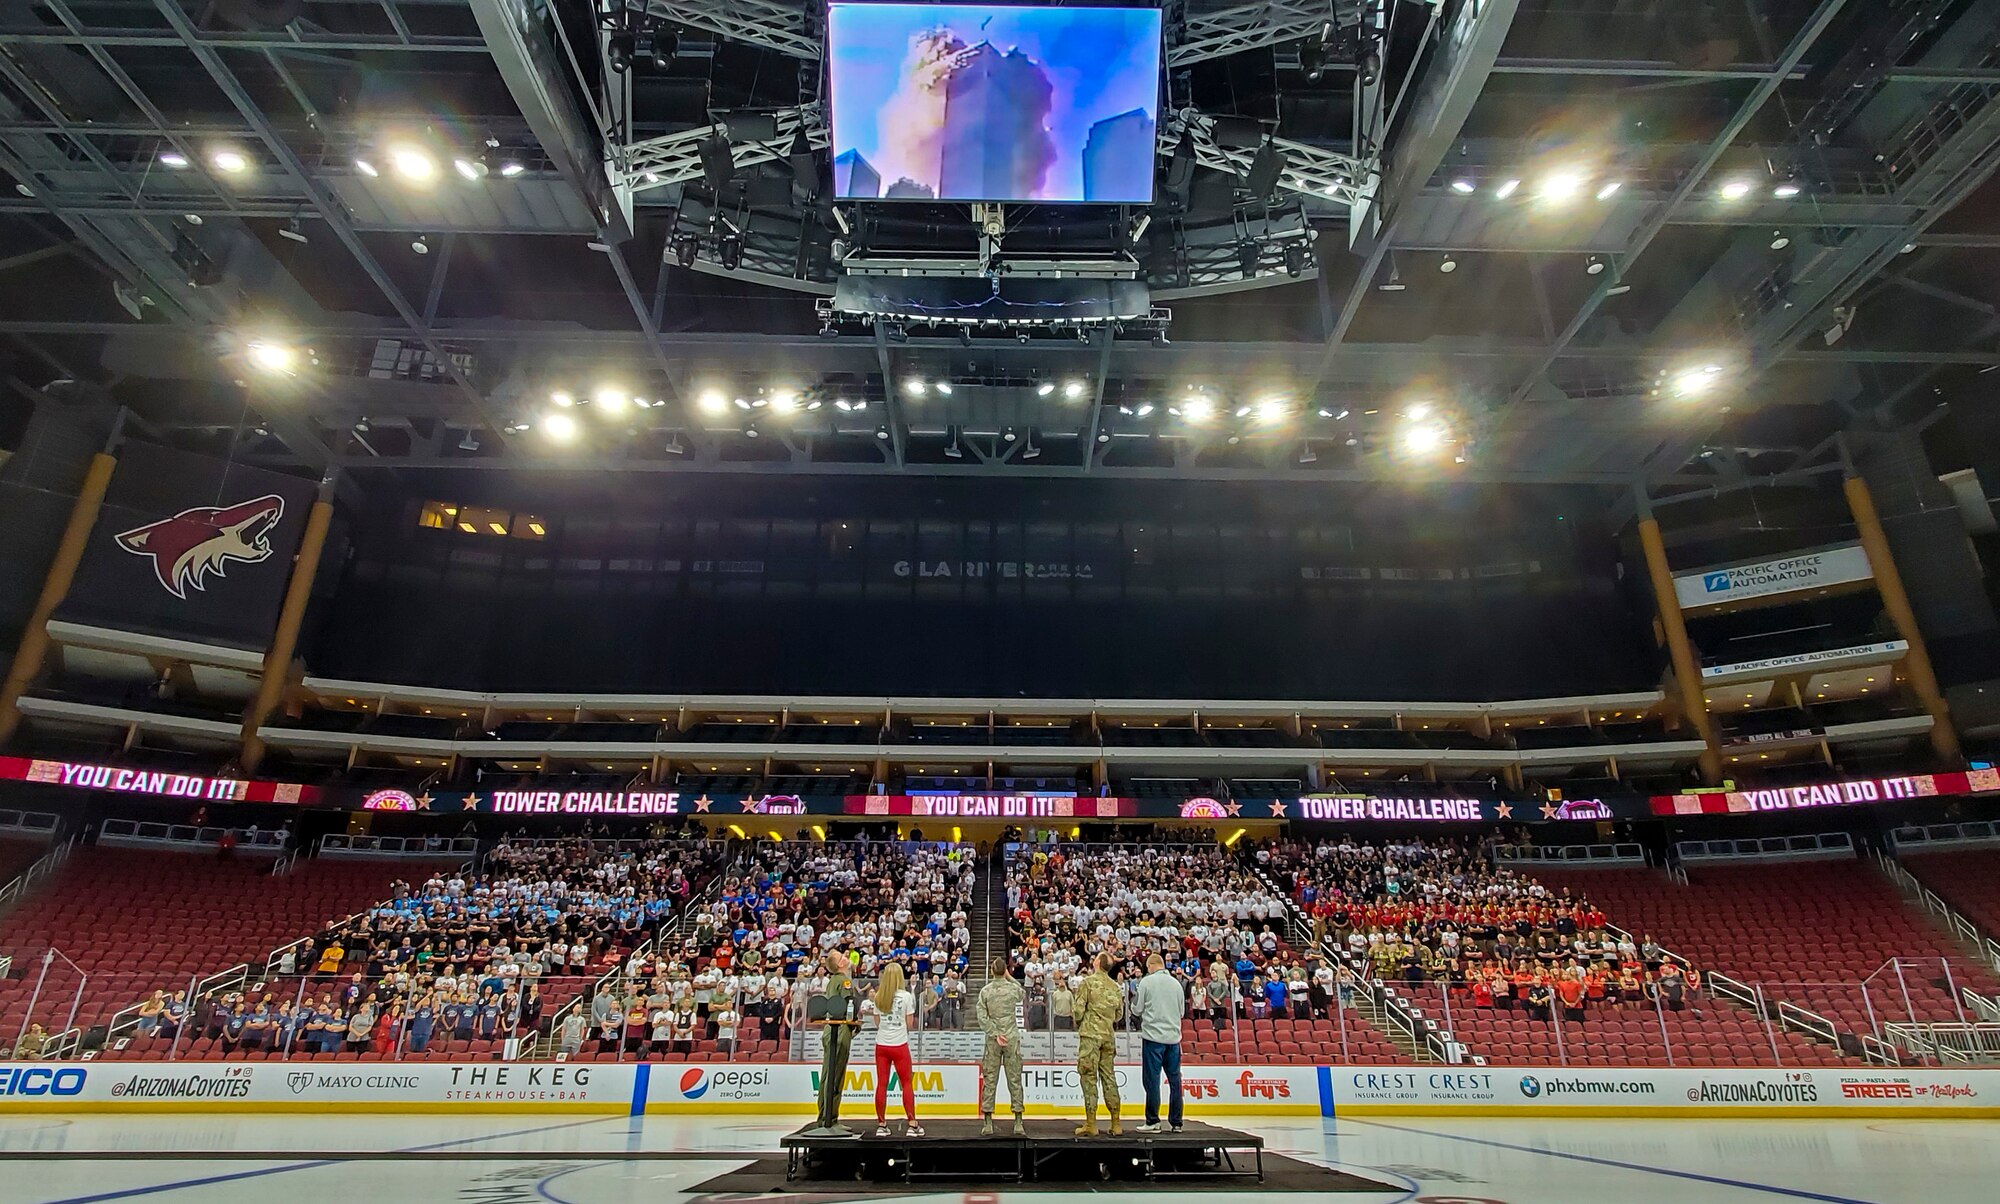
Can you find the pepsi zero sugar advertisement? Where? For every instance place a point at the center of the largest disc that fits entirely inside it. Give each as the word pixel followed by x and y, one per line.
pixel 190 547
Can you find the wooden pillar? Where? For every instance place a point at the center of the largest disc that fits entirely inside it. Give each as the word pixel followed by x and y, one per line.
pixel 285 640
pixel 1889 584
pixel 1687 671
pixel 34 644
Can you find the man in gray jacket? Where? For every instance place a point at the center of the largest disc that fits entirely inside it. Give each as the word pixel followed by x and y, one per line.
pixel 1161 1006
pixel 998 1009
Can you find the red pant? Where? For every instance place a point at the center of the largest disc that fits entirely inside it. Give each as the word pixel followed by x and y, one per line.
pixel 897 1058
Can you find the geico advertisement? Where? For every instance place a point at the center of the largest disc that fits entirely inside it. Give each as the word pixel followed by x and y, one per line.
pixel 1278 1088
pixel 378 1084
pixel 796 1084
pixel 1520 1089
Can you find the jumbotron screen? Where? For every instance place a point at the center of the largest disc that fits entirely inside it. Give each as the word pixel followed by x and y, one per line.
pixel 961 102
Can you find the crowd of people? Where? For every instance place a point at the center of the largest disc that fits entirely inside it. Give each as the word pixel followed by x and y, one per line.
pixel 1442 912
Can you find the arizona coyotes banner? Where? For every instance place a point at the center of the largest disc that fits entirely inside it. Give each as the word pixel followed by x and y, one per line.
pixel 190 547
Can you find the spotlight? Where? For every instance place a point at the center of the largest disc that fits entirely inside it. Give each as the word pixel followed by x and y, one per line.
pixel 1021 337
pixel 1295 259
pixel 1464 186
pixel 686 247
pixel 943 387
pixel 1242 411
pixel 561 398
pixel 1008 435
pixel 1609 189
pixel 1734 190
pixel 842 404
pixel 274 357
pixel 1072 390
pixel 1145 408
pixel 1312 59
pixel 1422 440
pixel 1247 255
pixel 1045 388
pixel 1593 265
pixel 511 168
pixel 784 401
pixel 471 169
pixel 361 425
pixel 750 430
pixel 421 244
pixel 618 52
pixel 1418 412
pixel 742 403
pixel 660 48
pixel 1271 409
pixel 1697 381
pixel 1780 240
pixel 609 399
pixel 729 249
pixel 882 432
pixel 173 159
pixel 1198 409
pixel 1104 436
pixel 1560 187
pixel 915 386
pixel 468 444
pixel 952 449
pixel 1448 264
pixel 367 168
pixel 1507 188
pixel 413 163
pixel 229 159
pixel 560 427
pixel 1786 189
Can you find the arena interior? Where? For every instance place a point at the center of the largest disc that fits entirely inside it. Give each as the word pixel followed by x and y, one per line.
pixel 571 568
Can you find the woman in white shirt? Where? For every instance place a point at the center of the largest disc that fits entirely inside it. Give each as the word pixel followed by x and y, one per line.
pixel 893 1007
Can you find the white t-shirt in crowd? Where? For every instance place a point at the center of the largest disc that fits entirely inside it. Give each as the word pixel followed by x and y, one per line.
pixel 893 1026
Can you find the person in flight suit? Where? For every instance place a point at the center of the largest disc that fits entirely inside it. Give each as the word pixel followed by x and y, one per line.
pixel 998 1009
pixel 1097 1005
pixel 841 1016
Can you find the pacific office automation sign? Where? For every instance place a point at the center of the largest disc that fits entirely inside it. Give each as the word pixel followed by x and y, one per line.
pixel 119 779
pixel 1843 565
pixel 1861 792
pixel 190 547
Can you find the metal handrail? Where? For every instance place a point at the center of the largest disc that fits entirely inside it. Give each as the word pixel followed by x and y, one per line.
pixel 1977 833
pixel 147 832
pixel 1791 1015
pixel 1620 853
pixel 341 844
pixel 1808 846
pixel 41 868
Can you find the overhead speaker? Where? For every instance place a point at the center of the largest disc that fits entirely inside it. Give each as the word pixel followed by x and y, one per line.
pixel 751 127
pixel 1265 168
pixel 718 166
pixel 1237 133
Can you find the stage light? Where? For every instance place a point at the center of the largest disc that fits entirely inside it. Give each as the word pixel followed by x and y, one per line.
pixel 1464 186
pixel 413 163
pixel 421 244
pixel 944 387
pixel 1609 189
pixel 1045 388
pixel 742 403
pixel 1242 411
pixel 560 427
pixel 1734 190
pixel 711 401
pixel 1593 265
pixel 915 386
pixel 1296 260
pixel 173 159
pixel 1072 390
pixel 1144 409
pixel 1560 187
pixel 609 399
pixel 686 247
pixel 1419 411
pixel 1507 188
pixel 367 168
pixel 1423 439
pixel 229 159
pixel 882 432
pixel 1697 381
pixel 274 357
pixel 729 250
pixel 561 398
pixel 842 404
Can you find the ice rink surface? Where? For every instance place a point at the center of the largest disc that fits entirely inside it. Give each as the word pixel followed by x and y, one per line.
pixel 590 1160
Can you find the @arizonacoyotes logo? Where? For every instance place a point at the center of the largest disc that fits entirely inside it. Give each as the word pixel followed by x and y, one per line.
pixel 204 539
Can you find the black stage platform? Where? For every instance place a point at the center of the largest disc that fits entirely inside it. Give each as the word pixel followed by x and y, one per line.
pixel 953 1149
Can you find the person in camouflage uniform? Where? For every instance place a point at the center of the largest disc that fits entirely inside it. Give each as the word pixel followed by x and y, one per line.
pixel 998 1009
pixel 1098 1004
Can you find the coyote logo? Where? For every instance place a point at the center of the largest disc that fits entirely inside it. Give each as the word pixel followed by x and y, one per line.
pixel 203 539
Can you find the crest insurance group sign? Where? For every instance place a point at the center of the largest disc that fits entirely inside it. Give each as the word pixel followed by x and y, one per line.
pixel 191 548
